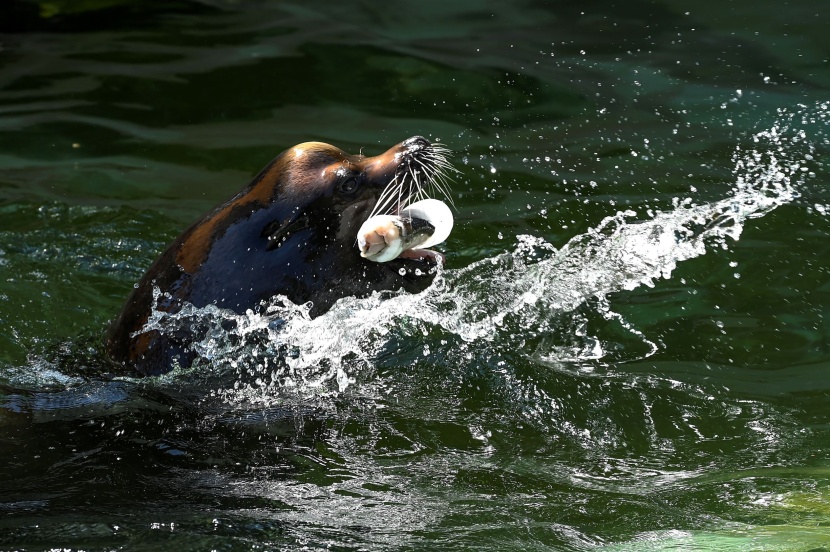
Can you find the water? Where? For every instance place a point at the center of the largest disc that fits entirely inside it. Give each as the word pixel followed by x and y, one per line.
pixel 626 349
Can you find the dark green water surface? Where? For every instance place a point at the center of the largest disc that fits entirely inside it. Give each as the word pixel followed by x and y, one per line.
pixel 629 347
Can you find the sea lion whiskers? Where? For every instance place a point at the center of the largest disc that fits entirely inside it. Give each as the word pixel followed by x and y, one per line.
pixel 437 182
pixel 437 156
pixel 436 166
pixel 423 171
pixel 387 197
pixel 414 182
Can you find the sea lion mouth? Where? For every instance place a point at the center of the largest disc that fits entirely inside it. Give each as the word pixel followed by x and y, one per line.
pixel 420 225
pixel 427 256
pixel 405 219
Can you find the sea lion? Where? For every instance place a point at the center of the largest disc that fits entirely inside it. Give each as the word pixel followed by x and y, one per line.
pixel 292 231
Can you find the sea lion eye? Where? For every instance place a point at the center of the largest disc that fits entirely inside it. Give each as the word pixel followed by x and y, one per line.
pixel 348 185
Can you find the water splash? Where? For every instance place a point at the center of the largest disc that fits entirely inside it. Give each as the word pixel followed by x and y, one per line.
pixel 528 289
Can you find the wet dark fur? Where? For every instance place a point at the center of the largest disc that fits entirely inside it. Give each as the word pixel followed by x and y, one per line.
pixel 291 231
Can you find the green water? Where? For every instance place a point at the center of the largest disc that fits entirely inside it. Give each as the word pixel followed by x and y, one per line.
pixel 654 381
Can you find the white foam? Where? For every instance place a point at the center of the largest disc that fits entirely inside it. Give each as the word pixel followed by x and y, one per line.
pixel 281 348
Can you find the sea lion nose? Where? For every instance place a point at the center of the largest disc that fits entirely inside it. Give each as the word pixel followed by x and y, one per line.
pixel 416 142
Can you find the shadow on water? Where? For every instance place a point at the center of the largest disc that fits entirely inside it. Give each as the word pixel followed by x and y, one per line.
pixel 75 16
pixel 133 457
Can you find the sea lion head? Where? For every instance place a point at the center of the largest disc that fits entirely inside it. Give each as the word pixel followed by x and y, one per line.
pixel 322 174
pixel 292 232
pixel 331 193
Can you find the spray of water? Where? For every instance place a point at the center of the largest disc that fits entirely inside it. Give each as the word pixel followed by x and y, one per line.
pixel 281 348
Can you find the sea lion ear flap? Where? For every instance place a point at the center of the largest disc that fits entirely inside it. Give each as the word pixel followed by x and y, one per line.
pixel 277 232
